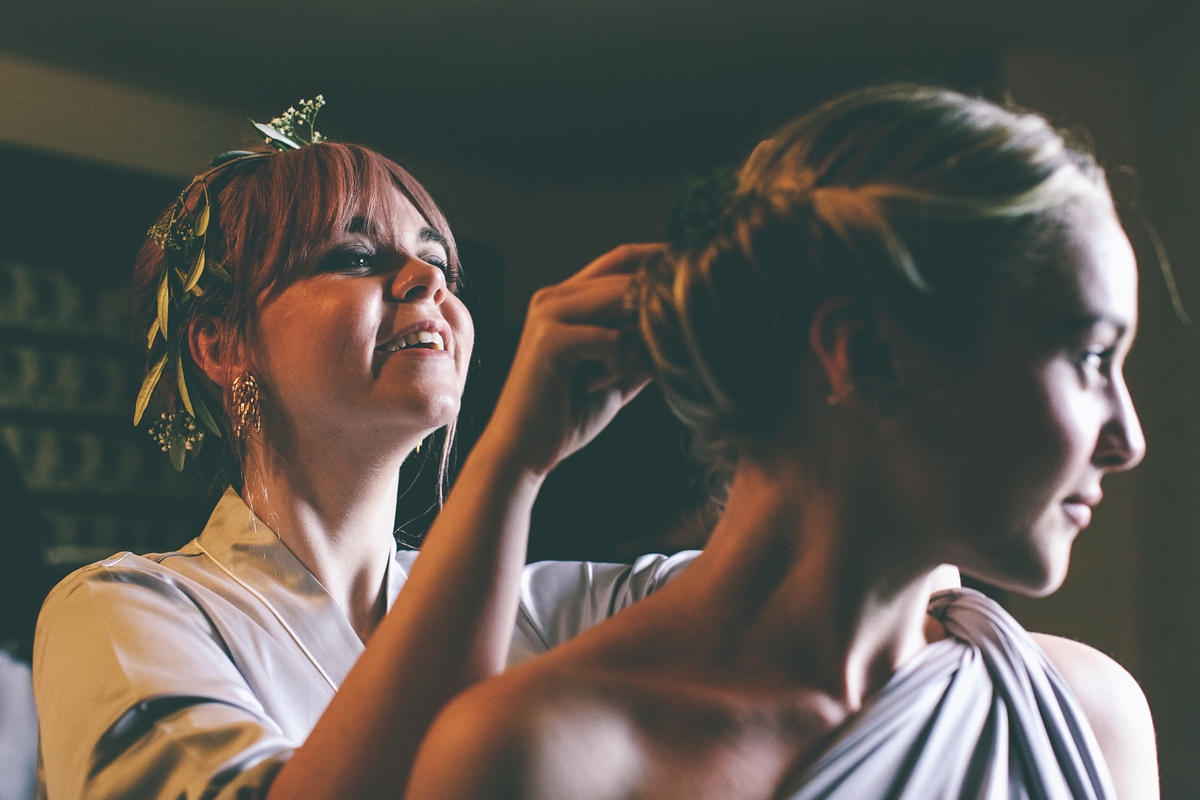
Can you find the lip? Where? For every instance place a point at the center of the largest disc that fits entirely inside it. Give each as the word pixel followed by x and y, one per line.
pixel 429 325
pixel 1078 507
pixel 1079 513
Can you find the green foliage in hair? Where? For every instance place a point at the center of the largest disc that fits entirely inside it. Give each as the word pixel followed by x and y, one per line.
pixel 187 274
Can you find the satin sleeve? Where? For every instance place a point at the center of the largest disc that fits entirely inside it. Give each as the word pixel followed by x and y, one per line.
pixel 561 599
pixel 138 696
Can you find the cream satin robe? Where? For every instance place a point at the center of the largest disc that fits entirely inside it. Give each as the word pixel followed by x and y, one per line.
pixel 195 674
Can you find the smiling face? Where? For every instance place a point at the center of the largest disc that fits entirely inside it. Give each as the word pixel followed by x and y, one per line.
pixel 1015 445
pixel 368 342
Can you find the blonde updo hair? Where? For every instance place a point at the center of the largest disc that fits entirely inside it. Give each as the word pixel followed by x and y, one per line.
pixel 922 201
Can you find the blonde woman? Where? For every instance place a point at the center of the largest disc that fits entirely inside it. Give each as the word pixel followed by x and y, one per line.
pixel 902 347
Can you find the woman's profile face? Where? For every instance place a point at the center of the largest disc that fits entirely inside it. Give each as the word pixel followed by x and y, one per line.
pixel 1018 445
pixel 369 339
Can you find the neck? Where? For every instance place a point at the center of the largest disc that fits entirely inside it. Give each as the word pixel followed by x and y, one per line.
pixel 334 505
pixel 806 589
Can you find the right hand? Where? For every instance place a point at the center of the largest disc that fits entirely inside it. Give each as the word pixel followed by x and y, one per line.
pixel 574 367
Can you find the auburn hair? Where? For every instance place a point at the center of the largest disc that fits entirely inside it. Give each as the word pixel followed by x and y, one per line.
pixel 268 217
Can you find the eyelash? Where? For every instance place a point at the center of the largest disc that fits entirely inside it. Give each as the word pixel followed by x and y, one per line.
pixel 1095 359
pixel 449 270
pixel 341 261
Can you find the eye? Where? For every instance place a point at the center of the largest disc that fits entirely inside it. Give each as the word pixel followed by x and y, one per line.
pixel 1096 360
pixel 356 259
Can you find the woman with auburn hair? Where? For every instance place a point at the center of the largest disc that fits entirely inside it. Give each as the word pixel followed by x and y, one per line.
pixel 902 346
pixel 301 304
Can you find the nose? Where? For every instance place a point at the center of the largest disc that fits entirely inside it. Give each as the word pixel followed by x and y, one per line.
pixel 418 280
pixel 1122 444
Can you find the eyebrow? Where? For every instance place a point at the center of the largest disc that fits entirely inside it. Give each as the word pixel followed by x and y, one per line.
pixel 1088 321
pixel 428 234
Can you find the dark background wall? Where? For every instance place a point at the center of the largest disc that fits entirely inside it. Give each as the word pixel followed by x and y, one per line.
pixel 551 131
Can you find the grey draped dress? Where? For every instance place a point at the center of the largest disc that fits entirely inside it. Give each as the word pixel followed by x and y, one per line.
pixel 982 715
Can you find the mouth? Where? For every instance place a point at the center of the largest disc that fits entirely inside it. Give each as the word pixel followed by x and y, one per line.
pixel 414 340
pixel 1078 508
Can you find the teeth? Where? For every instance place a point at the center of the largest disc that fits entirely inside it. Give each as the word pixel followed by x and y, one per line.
pixel 419 337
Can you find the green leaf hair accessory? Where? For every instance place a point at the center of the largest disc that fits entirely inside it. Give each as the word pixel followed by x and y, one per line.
pixel 187 273
pixel 287 131
pixel 183 236
pixel 177 435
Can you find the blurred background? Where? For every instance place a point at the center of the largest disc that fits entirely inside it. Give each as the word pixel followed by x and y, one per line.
pixel 551 131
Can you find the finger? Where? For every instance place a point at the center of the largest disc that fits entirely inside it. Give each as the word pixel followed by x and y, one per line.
pixel 606 358
pixel 633 374
pixel 598 299
pixel 631 380
pixel 623 259
pixel 578 343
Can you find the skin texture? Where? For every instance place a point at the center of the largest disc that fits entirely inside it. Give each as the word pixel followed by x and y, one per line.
pixel 813 589
pixel 340 416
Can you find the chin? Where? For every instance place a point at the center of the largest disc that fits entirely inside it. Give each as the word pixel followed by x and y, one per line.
pixel 1035 572
pixel 1046 572
pixel 424 410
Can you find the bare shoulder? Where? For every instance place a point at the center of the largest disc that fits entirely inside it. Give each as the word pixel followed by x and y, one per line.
pixel 528 734
pixel 1117 710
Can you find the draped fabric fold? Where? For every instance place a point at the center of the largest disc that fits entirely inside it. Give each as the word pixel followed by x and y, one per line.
pixel 982 714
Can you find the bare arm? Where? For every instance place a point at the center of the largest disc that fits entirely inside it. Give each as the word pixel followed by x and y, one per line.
pixel 451 625
pixel 1117 710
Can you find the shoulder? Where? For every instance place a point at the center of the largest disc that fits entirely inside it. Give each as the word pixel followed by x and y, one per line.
pixel 1115 707
pixel 118 621
pixel 529 734
pixel 115 583
pixel 561 599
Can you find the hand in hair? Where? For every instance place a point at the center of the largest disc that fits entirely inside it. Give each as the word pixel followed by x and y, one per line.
pixel 575 367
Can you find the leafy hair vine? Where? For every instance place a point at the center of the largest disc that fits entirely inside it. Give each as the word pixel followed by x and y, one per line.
pixel 186 272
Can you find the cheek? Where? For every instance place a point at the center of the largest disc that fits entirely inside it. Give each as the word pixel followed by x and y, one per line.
pixel 1074 418
pixel 459 320
pixel 307 335
pixel 1006 448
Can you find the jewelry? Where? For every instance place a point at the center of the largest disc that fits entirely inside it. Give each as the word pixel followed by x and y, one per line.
pixel 187 274
pixel 247 411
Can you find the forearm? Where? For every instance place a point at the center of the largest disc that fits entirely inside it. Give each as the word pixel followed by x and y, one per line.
pixel 449 628
pixel 453 621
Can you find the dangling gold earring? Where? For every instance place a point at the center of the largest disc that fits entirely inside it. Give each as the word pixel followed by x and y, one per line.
pixel 247 411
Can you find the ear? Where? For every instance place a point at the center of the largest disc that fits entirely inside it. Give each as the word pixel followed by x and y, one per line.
pixel 855 352
pixel 212 351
